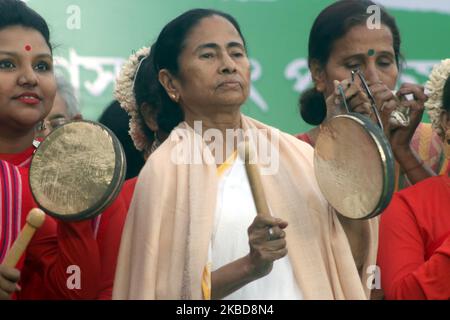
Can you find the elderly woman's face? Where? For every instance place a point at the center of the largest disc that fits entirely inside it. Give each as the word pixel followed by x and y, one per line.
pixel 371 51
pixel 214 68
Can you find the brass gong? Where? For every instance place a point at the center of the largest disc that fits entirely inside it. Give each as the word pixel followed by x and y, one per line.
pixel 354 166
pixel 77 171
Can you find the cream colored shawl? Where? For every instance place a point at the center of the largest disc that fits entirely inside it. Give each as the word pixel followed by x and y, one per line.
pixel 164 246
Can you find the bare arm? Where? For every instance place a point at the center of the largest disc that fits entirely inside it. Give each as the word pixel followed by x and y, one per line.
pixel 412 165
pixel 258 263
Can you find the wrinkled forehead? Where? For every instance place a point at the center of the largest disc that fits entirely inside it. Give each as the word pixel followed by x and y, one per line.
pixel 213 29
pixel 362 40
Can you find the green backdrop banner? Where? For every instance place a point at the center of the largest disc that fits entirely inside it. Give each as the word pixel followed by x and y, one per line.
pixel 94 37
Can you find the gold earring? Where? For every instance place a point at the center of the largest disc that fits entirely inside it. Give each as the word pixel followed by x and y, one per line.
pixel 319 88
pixel 42 126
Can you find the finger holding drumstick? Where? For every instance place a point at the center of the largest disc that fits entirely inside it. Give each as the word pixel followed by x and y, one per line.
pixel 9 276
pixel 266 235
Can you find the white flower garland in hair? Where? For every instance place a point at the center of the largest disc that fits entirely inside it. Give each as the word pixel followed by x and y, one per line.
pixel 434 88
pixel 124 93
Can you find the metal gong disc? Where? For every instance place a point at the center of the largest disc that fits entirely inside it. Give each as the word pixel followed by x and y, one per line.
pixel 77 171
pixel 354 166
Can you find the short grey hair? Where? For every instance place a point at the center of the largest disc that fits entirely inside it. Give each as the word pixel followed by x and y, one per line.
pixel 67 93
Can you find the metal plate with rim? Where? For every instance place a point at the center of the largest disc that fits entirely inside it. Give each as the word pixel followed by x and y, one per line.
pixel 354 166
pixel 77 171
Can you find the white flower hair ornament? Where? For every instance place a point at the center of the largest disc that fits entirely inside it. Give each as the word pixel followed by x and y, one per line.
pixel 434 88
pixel 124 93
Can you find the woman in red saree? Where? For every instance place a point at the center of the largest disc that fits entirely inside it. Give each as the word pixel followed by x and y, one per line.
pixel 414 247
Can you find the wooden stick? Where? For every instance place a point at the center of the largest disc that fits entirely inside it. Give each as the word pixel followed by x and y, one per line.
pixel 254 179
pixel 35 220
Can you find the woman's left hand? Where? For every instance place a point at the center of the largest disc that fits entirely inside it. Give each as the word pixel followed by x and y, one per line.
pixel 400 137
pixel 387 102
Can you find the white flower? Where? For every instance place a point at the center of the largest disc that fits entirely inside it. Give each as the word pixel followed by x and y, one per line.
pixel 124 93
pixel 434 88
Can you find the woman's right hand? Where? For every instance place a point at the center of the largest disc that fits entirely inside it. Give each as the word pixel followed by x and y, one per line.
pixel 356 98
pixel 266 247
pixel 9 277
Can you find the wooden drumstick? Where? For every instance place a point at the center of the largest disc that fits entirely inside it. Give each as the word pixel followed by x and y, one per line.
pixel 35 220
pixel 254 179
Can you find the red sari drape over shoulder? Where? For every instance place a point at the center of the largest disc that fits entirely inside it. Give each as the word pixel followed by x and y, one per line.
pixel 414 247
pixel 110 225
pixel 56 247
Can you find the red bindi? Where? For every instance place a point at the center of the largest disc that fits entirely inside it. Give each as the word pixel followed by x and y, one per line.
pixel 28 47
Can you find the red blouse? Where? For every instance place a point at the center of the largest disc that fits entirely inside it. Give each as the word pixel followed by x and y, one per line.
pixel 414 247
pixel 109 235
pixel 22 159
pixel 55 248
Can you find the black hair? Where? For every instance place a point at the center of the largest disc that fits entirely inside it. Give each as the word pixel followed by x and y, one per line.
pixel 165 54
pixel 446 95
pixel 332 24
pixel 117 119
pixel 17 13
